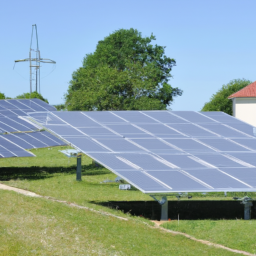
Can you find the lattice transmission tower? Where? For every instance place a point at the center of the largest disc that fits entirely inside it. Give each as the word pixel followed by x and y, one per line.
pixel 34 62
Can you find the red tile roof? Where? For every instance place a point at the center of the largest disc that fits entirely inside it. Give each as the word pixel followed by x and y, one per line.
pixel 248 91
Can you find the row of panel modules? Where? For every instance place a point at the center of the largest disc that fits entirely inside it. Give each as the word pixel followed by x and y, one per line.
pixel 163 151
pixel 17 134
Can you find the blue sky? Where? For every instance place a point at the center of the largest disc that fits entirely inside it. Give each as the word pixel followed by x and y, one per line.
pixel 212 41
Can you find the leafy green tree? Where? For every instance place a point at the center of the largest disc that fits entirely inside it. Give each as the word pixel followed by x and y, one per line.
pixel 220 102
pixel 2 96
pixel 125 72
pixel 60 107
pixel 32 96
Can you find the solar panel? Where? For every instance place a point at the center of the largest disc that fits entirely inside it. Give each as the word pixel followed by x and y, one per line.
pixel 217 179
pixel 218 160
pixel 161 131
pixel 176 180
pixel 165 117
pixel 9 149
pixel 224 131
pixel 223 145
pixel 192 130
pixel 246 175
pixel 23 134
pixel 194 117
pixel 135 117
pixel 183 161
pixel 163 151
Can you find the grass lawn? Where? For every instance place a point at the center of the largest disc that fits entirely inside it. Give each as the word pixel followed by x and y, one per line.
pixel 235 234
pixel 37 226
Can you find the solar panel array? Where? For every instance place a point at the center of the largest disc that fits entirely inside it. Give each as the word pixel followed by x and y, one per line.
pixel 17 134
pixel 163 151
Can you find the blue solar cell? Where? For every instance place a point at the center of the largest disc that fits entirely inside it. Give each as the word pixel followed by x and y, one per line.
pixel 145 161
pixel 77 119
pixel 194 117
pixel 223 145
pixel 218 160
pixel 135 117
pixel 120 145
pixel 217 179
pixel 249 157
pixel 165 117
pixel 6 128
pixel 8 149
pixel 18 112
pixel 6 104
pixel 4 152
pixel 110 160
pixel 128 130
pixel 178 181
pixel 17 104
pixel 86 145
pixel 43 105
pixel 63 130
pixel 156 146
pixel 223 130
pixel 192 130
pixel 221 117
pixel 41 136
pixel 189 145
pixel 247 175
pixel 98 132
pixel 250 143
pixel 18 140
pixel 161 131
pixel 54 139
pixel 30 104
pixel 182 161
pixel 7 113
pixel 15 124
pixel 37 143
pixel 143 182
pixel 104 117
pixel 243 127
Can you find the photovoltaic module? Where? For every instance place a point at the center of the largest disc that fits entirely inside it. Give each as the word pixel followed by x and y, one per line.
pixel 163 151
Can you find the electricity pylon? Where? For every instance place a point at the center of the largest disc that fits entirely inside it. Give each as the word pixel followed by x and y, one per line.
pixel 34 62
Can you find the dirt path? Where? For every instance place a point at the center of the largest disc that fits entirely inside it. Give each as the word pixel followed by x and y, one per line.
pixel 28 193
pixel 157 223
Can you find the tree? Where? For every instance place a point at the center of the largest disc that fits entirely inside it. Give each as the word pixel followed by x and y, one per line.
pixel 124 72
pixel 2 96
pixel 60 107
pixel 220 102
pixel 32 96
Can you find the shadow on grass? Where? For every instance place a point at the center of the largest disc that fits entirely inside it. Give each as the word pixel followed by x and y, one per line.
pixel 36 172
pixel 185 210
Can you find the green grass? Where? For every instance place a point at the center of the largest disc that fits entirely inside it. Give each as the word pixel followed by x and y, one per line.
pixel 36 226
pixel 24 221
pixel 235 234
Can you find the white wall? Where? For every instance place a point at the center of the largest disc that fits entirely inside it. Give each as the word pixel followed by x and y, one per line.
pixel 245 110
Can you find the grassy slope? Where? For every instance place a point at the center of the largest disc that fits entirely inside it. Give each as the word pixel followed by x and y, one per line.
pixel 236 234
pixel 35 226
pixel 53 174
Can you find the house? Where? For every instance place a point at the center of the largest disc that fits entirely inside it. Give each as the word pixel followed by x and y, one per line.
pixel 244 104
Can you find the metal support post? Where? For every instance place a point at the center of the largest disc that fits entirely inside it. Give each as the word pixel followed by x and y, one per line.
pixel 79 168
pixel 164 207
pixel 247 210
pixel 247 202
